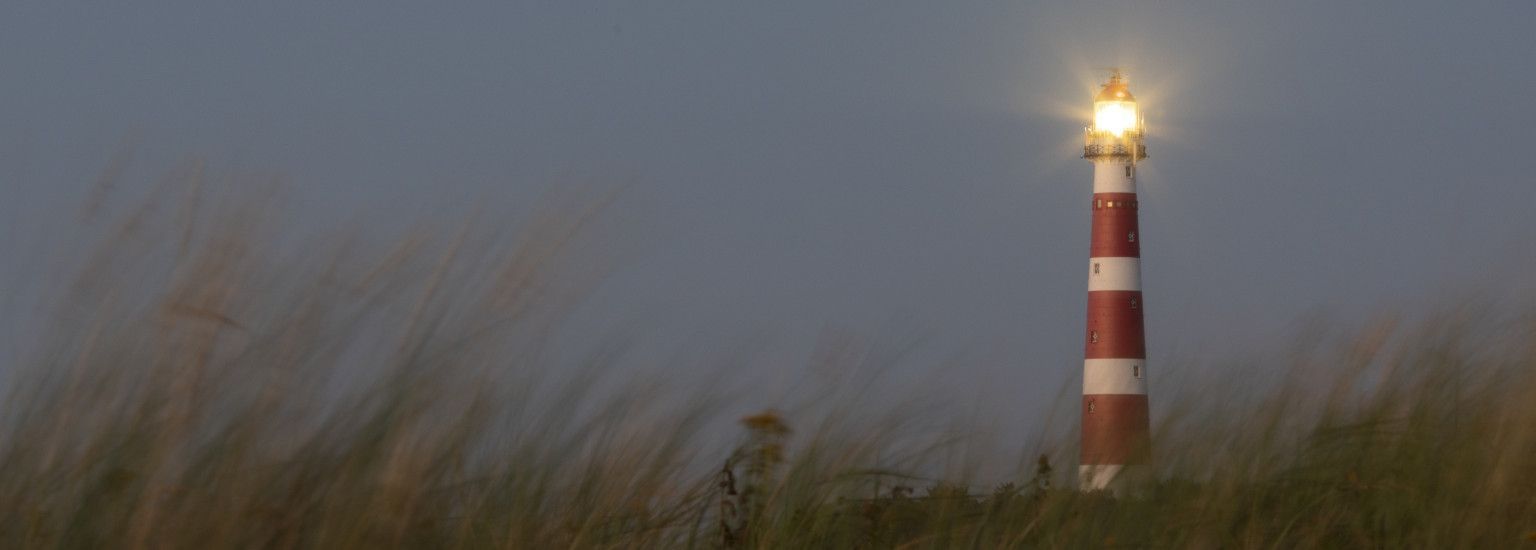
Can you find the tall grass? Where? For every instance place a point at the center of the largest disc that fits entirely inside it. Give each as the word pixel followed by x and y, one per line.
pixel 206 383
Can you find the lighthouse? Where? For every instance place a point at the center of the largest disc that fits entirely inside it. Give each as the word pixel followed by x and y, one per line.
pixel 1116 445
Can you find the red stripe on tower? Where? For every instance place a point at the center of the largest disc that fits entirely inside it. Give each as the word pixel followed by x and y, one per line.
pixel 1116 442
pixel 1113 429
pixel 1114 325
pixel 1114 226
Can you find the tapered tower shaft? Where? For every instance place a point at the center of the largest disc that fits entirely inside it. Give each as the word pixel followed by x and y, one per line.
pixel 1116 446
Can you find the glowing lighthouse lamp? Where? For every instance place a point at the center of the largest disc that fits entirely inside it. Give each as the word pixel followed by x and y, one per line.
pixel 1115 116
pixel 1116 446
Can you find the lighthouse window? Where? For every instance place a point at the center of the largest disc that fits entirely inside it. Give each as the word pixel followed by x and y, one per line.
pixel 1136 371
pixel 1095 268
pixel 1090 406
pixel 1093 336
pixel 1098 203
pixel 1130 237
pixel 1134 303
pixel 1127 171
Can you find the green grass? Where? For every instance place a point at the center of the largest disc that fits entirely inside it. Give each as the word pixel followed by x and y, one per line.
pixel 202 385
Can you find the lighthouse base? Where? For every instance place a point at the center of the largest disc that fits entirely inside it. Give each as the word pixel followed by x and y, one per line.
pixel 1118 479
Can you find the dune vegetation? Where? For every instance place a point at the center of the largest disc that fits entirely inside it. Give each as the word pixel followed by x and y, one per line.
pixel 202 381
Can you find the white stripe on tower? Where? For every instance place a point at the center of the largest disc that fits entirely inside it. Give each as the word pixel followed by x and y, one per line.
pixel 1111 177
pixel 1115 376
pixel 1114 274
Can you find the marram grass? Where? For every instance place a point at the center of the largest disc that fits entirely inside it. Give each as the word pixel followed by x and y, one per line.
pixel 201 386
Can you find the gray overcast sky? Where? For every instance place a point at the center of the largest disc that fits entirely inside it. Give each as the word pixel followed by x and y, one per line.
pixel 867 165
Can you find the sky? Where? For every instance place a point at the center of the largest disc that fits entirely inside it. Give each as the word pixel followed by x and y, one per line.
pixel 898 170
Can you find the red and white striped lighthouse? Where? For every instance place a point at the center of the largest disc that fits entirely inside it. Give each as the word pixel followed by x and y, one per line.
pixel 1116 446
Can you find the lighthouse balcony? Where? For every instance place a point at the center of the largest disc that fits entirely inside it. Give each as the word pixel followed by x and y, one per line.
pixel 1101 144
pixel 1113 150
